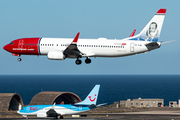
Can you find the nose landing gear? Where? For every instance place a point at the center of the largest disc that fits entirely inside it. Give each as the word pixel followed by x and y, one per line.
pixel 19 59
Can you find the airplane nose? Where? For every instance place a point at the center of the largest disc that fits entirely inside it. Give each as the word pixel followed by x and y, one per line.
pixel 5 48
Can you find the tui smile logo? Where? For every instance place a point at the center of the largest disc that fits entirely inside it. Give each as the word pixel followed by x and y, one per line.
pixel 92 100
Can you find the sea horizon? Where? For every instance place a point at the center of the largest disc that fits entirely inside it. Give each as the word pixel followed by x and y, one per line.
pixel 113 87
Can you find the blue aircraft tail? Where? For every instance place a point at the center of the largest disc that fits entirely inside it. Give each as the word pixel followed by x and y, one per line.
pixel 91 98
pixel 152 30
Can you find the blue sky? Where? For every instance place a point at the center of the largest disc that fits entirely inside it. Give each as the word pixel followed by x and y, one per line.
pixel 93 19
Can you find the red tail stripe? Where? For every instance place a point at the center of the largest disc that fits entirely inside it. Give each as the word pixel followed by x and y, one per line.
pixel 161 11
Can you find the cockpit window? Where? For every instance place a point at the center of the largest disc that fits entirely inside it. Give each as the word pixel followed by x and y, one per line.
pixel 11 43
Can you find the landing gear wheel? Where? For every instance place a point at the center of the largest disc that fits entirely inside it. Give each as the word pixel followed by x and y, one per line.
pixel 61 117
pixel 56 117
pixel 78 62
pixel 87 61
pixel 19 59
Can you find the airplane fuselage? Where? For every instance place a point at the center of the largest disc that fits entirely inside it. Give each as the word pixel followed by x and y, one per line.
pixel 41 110
pixel 101 47
pixel 62 109
pixel 62 48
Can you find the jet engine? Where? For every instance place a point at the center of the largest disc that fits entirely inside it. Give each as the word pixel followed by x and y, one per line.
pixel 56 55
pixel 41 115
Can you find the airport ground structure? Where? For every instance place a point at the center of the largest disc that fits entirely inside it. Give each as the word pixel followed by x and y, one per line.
pixel 10 103
pixel 142 103
pixel 14 102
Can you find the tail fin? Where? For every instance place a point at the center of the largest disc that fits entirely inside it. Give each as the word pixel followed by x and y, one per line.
pixel 152 30
pixel 91 98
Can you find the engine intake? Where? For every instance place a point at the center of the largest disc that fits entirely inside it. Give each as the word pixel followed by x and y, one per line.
pixel 56 55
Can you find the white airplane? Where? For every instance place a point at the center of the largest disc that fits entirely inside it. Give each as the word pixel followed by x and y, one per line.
pixel 62 48
pixel 60 110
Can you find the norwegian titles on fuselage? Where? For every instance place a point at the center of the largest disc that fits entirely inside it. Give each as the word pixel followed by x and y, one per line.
pixel 62 48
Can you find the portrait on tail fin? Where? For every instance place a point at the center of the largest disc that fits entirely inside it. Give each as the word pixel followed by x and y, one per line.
pixel 152 32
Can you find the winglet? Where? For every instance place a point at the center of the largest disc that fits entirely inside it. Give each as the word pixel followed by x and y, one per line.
pixel 132 34
pixel 53 105
pixel 76 38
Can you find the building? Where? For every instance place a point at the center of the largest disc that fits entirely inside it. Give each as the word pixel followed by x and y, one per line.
pixel 10 101
pixel 50 97
pixel 13 101
pixel 142 103
pixel 173 104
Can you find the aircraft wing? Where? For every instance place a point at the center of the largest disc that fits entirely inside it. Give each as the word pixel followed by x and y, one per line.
pixel 72 50
pixel 51 111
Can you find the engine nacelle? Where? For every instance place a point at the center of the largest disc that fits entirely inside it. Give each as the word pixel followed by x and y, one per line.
pixel 55 55
pixel 41 115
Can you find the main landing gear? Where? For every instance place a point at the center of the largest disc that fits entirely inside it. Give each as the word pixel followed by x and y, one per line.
pixel 87 61
pixel 61 117
pixel 78 62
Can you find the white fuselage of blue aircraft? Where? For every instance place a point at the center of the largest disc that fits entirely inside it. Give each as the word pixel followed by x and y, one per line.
pixel 60 110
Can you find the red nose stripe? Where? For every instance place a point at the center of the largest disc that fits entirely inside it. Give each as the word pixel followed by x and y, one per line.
pixel 27 46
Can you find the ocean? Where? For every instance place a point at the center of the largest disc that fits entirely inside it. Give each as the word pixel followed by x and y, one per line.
pixel 113 87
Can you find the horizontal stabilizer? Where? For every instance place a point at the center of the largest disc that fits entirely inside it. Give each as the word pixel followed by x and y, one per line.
pixel 152 44
pixel 168 41
pixel 102 104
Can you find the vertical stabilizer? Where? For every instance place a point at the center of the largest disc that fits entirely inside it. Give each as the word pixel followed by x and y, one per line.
pixel 91 98
pixel 152 30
